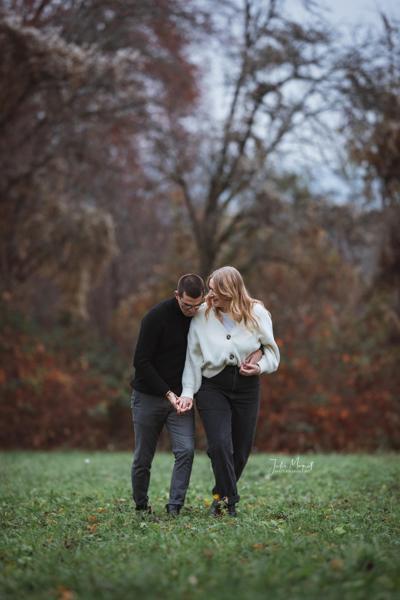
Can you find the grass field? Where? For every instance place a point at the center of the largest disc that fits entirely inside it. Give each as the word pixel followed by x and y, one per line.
pixel 329 529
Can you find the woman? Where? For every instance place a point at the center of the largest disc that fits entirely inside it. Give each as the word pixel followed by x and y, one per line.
pixel 228 327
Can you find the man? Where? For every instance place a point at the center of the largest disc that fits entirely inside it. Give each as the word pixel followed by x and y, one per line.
pixel 159 361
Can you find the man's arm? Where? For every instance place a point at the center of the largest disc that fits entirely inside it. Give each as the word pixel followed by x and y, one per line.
pixel 148 340
pixel 254 357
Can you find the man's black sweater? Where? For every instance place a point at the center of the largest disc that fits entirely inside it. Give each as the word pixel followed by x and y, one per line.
pixel 161 350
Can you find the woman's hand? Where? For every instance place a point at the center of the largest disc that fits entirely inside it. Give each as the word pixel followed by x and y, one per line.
pixel 249 369
pixel 184 404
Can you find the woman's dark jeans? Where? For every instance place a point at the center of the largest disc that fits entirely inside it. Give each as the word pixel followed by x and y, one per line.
pixel 228 405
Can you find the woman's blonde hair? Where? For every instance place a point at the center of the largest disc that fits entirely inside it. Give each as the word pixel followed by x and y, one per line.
pixel 228 283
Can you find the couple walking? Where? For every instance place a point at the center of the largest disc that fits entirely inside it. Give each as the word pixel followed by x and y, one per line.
pixel 212 347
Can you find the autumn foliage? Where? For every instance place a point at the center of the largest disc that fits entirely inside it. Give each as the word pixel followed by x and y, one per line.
pixel 332 391
pixel 52 396
pixel 120 172
pixel 314 405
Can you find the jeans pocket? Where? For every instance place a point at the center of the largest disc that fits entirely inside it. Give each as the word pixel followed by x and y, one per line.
pixel 135 400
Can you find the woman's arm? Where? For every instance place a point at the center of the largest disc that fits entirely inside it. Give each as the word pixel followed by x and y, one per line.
pixel 270 360
pixel 191 378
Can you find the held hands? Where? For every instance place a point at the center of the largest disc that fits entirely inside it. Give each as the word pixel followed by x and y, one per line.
pixel 184 404
pixel 250 366
pixel 181 404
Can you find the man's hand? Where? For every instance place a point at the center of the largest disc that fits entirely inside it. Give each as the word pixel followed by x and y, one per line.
pixel 184 404
pixel 250 366
pixel 254 357
pixel 173 398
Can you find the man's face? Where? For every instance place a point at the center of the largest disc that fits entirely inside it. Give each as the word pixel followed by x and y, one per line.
pixel 188 305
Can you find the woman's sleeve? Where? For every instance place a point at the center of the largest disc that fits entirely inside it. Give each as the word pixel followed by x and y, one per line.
pixel 191 378
pixel 271 357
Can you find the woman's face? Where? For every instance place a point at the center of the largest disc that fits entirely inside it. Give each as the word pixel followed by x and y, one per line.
pixel 216 300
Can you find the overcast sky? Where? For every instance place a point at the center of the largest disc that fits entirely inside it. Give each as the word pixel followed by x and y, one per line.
pixel 353 11
pixel 344 15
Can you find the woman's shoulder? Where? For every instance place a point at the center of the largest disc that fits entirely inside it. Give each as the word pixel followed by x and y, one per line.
pixel 259 309
pixel 200 314
pixel 204 317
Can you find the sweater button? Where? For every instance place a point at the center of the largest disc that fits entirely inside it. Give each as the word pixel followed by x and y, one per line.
pixel 228 337
pixel 231 356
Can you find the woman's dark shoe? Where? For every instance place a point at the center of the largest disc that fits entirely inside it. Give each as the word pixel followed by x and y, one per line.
pixel 144 508
pixel 215 508
pixel 173 509
pixel 231 508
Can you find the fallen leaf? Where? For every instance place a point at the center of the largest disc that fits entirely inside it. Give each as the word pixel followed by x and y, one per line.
pixel 64 593
pixel 336 564
pixel 258 546
pixel 92 518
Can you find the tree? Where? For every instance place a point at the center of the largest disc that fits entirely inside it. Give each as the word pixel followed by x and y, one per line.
pixel 277 67
pixel 75 104
pixel 370 92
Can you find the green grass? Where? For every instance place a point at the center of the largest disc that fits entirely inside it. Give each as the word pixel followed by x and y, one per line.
pixel 69 531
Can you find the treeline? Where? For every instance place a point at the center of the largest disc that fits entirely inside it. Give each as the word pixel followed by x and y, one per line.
pixel 117 176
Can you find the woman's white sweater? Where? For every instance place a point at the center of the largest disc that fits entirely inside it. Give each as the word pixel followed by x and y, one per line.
pixel 211 347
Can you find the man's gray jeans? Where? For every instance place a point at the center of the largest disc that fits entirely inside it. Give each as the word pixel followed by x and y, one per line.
pixel 150 414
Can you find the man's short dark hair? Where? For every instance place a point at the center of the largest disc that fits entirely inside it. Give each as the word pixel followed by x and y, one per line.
pixel 193 285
